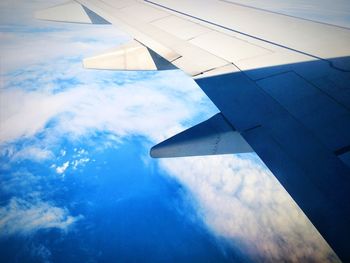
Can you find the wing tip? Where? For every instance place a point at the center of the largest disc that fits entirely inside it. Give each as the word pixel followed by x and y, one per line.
pixel 212 137
pixel 153 152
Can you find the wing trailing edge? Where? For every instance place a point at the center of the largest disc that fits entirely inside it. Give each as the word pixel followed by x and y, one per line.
pixel 131 56
pixel 211 137
pixel 71 12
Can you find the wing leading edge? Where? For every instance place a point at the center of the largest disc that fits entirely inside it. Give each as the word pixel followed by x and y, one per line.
pixel 287 99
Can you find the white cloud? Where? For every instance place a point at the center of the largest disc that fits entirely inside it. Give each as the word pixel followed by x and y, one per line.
pixel 26 49
pixel 21 183
pixel 143 108
pixel 80 162
pixel 23 217
pixel 241 201
pixel 41 252
pixel 61 169
pixel 26 113
pixel 32 153
pixel 81 152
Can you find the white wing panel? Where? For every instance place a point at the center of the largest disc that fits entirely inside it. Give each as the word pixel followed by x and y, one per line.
pixel 119 4
pixel 229 48
pixel 180 28
pixel 317 39
pixel 194 65
pixel 143 13
pixel 216 33
pixel 273 63
pixel 181 53
pixel 132 56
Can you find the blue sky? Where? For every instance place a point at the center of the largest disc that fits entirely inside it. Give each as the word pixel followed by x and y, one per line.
pixel 76 176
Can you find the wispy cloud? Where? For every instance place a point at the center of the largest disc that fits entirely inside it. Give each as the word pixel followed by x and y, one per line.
pixel 41 252
pixel 61 169
pixel 32 153
pixel 80 162
pixel 23 210
pixel 20 183
pixel 20 50
pixel 241 201
pixel 24 217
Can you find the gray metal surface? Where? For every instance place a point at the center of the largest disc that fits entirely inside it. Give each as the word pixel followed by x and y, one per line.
pixel 211 137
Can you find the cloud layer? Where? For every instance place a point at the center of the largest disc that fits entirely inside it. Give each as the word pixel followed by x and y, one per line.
pixel 242 202
pixel 24 217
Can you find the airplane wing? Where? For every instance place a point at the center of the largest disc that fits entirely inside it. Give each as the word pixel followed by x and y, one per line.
pixel 281 83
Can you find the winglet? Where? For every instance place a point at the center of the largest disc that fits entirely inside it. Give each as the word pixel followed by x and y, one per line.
pixel 71 12
pixel 211 137
pixel 131 56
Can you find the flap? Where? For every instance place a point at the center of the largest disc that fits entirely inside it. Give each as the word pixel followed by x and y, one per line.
pixel 131 56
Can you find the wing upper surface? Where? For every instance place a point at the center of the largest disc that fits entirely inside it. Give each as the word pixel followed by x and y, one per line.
pixel 215 37
pixel 167 21
pixel 136 19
